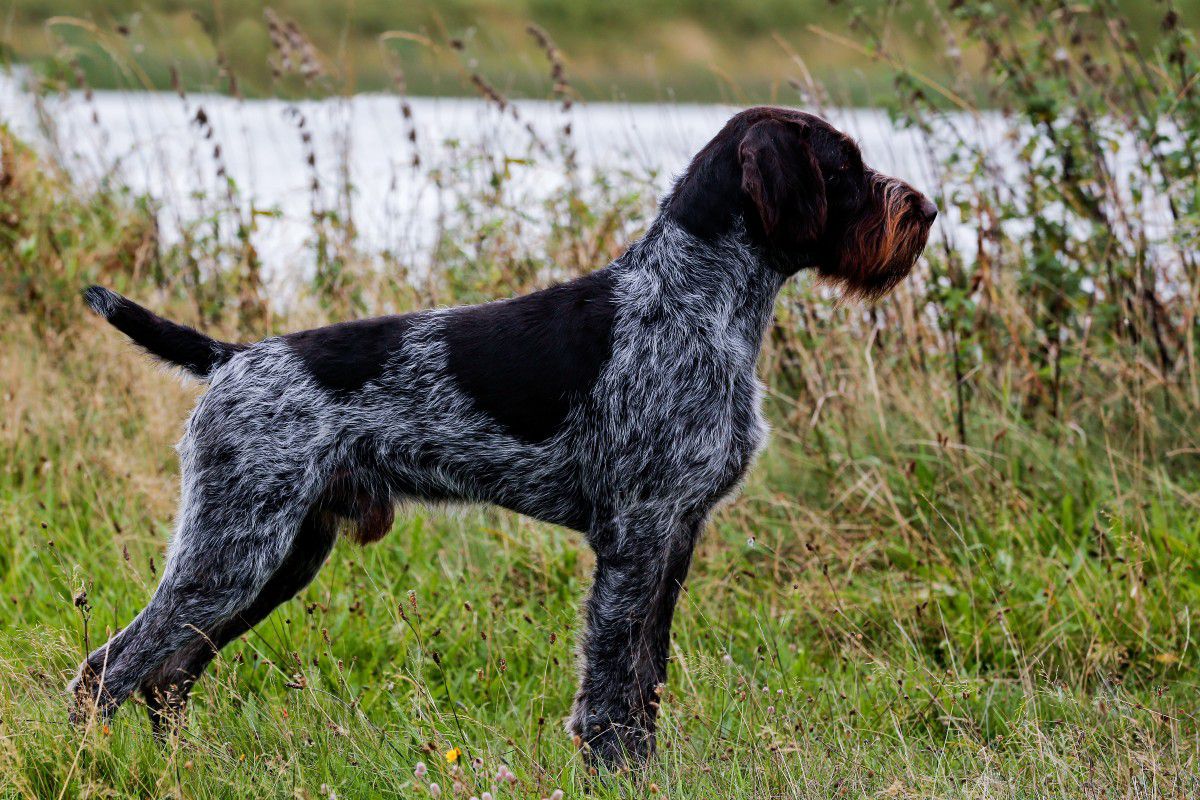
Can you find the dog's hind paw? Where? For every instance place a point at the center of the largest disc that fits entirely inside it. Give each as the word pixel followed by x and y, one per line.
pixel 88 697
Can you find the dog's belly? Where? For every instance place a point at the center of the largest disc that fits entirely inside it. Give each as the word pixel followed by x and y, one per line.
pixel 539 481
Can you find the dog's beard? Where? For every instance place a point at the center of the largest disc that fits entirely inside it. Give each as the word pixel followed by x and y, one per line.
pixel 881 247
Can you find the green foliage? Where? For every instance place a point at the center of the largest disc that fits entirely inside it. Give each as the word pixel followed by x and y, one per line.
pixel 51 239
pixel 635 49
pixel 1092 225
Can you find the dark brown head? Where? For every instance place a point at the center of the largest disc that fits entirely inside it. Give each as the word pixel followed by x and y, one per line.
pixel 805 196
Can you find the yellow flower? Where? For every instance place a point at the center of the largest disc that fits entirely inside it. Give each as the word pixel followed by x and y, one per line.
pixel 452 754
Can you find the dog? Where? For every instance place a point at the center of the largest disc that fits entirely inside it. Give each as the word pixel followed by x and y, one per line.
pixel 623 404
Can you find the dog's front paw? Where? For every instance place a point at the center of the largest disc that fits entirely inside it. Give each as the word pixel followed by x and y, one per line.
pixel 615 742
pixel 167 709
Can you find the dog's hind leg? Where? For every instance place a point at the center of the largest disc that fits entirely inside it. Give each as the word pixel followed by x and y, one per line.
pixel 226 549
pixel 640 568
pixel 166 689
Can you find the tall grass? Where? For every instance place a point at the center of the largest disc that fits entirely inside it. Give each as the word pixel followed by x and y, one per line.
pixel 966 567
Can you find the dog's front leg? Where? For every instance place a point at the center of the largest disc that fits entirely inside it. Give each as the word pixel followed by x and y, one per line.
pixel 640 569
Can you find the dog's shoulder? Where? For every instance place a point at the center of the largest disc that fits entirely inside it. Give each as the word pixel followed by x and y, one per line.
pixel 345 357
pixel 526 361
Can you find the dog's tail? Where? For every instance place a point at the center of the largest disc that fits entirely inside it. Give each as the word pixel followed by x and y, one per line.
pixel 174 343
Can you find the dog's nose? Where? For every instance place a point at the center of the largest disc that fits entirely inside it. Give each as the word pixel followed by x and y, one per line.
pixel 927 210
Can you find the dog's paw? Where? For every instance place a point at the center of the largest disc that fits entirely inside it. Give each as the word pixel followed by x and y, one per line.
pixel 88 696
pixel 611 744
pixel 82 700
pixel 167 708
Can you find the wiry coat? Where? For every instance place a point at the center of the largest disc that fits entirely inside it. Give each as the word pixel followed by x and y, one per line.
pixel 624 404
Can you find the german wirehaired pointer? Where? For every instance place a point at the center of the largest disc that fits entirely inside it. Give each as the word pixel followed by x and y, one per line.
pixel 623 404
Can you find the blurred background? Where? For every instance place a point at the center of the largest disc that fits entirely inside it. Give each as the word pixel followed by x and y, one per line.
pixel 740 51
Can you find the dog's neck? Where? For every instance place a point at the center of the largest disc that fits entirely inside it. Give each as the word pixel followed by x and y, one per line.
pixel 716 287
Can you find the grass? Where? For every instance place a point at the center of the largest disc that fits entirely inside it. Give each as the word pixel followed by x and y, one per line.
pixel 966 567
pixel 883 613
pixel 898 617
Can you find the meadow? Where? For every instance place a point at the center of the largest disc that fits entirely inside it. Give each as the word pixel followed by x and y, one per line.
pixel 966 567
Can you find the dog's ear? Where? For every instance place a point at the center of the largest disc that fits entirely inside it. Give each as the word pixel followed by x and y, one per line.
pixel 783 180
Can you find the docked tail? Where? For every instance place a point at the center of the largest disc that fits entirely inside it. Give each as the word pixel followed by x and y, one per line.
pixel 174 343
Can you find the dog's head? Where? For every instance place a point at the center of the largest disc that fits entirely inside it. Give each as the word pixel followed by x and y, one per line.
pixel 805 196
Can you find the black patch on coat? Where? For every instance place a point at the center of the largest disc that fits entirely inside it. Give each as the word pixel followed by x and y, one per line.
pixel 526 361
pixel 345 357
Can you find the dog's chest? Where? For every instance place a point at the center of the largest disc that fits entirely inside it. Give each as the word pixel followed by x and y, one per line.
pixel 681 409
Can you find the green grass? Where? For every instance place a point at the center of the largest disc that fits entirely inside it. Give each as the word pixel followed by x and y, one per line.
pixel 878 615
